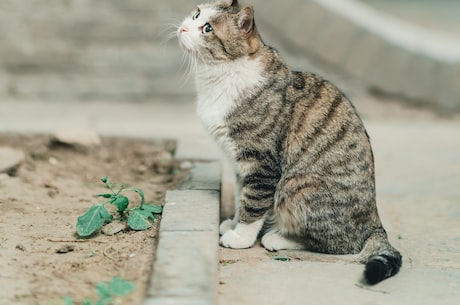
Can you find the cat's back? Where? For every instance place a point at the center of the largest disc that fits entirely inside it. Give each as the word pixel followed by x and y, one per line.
pixel 323 123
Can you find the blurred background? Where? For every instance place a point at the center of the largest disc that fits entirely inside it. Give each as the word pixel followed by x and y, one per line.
pixel 83 50
pixel 120 51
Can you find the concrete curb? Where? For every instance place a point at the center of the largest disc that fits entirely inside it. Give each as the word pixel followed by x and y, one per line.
pixel 386 53
pixel 185 271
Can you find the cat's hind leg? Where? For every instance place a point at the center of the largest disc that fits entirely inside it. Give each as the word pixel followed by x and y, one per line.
pixel 274 241
pixel 278 226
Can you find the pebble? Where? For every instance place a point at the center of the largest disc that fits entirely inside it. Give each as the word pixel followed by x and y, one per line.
pixel 186 165
pixel 164 163
pixel 10 159
pixel 53 161
pixel 77 137
pixel 21 247
pixel 65 249
pixel 114 227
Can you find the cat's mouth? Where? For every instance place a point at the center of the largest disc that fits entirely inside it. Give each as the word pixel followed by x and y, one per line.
pixel 184 42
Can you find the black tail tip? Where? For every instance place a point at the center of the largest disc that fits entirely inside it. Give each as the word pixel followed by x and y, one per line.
pixel 375 272
pixel 381 267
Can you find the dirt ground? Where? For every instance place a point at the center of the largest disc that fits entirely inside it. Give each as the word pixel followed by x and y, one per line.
pixel 41 258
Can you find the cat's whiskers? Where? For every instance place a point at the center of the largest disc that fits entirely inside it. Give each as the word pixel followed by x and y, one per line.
pixel 169 31
pixel 173 25
pixel 187 62
pixel 190 60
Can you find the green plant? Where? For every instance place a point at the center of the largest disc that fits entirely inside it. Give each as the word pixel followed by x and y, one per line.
pixel 107 292
pixel 138 218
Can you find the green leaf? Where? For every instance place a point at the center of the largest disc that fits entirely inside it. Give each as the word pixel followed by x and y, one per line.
pixel 120 201
pixel 87 302
pixel 139 191
pixel 105 179
pixel 68 300
pixel 92 220
pixel 103 195
pixel 153 208
pixel 139 219
pixel 147 214
pixel 103 291
pixel 119 287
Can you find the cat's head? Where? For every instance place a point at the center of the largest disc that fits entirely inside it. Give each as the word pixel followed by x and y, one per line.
pixel 219 32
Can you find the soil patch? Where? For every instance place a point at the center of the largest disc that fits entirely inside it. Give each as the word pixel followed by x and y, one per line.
pixel 41 258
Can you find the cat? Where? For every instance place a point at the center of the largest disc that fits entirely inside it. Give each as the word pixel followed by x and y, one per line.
pixel 303 160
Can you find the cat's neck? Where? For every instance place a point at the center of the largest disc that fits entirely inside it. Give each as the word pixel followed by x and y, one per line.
pixel 229 78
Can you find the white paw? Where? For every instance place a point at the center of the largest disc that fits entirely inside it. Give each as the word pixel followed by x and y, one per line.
pixel 226 226
pixel 233 240
pixel 243 236
pixel 274 241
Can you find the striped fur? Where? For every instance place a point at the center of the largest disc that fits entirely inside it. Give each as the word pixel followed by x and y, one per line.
pixel 302 157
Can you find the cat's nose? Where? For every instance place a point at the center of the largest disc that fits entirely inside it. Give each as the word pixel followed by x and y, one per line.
pixel 182 30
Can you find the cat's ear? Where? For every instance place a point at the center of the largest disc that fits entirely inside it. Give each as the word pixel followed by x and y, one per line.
pixel 232 3
pixel 246 20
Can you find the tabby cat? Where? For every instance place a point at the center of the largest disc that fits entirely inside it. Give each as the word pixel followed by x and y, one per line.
pixel 303 160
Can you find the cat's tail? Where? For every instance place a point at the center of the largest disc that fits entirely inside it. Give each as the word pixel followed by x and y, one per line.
pixel 381 259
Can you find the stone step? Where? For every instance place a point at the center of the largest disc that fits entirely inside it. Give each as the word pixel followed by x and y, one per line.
pixel 186 267
pixel 387 54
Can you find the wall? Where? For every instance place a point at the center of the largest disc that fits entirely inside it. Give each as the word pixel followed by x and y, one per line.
pixel 90 49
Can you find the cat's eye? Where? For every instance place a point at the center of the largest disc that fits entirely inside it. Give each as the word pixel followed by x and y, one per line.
pixel 197 14
pixel 207 29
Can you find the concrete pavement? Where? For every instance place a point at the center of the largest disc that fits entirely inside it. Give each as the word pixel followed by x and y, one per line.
pixel 158 119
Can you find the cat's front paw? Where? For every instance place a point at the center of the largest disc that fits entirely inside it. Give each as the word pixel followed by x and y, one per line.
pixel 243 236
pixel 231 239
pixel 226 226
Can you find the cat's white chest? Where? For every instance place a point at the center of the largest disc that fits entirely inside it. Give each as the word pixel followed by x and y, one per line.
pixel 213 106
pixel 220 88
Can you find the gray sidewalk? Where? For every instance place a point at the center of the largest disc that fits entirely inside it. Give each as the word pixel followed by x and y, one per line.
pixel 157 119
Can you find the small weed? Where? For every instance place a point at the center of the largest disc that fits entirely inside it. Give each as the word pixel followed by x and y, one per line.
pixel 107 292
pixel 138 218
pixel 275 256
pixel 281 258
